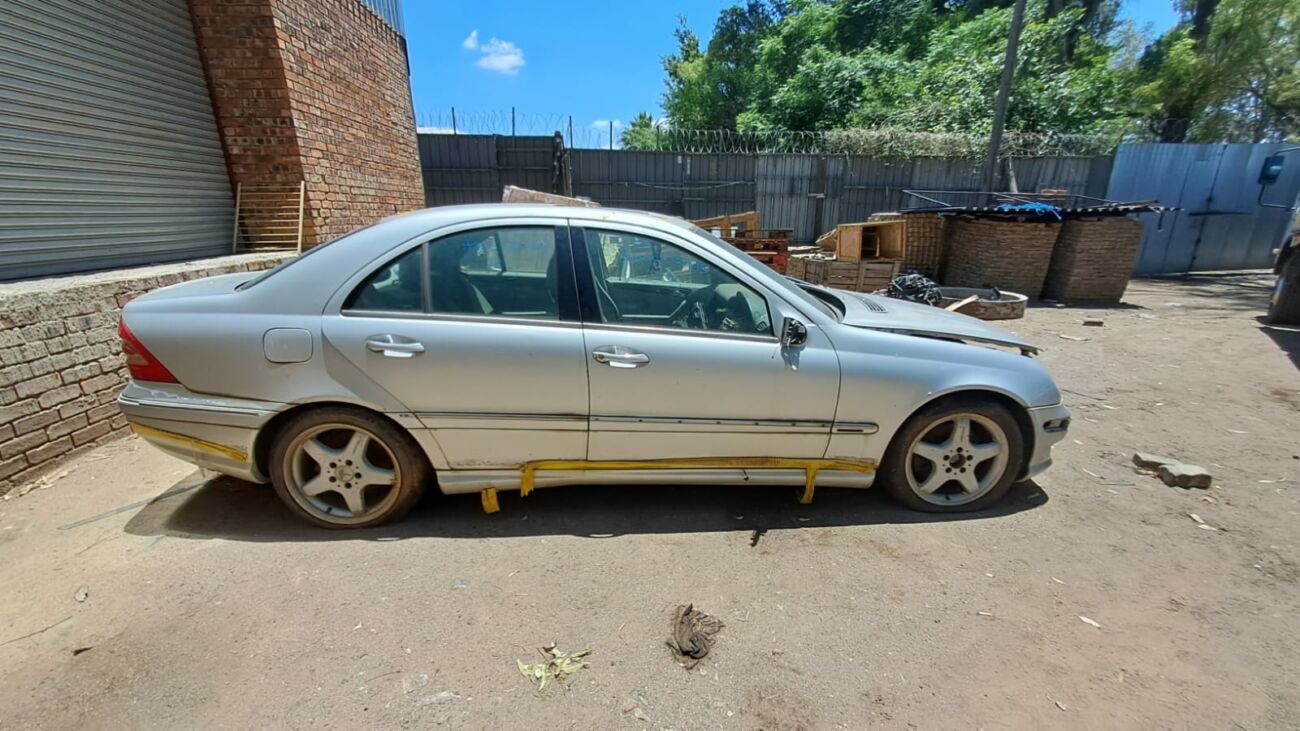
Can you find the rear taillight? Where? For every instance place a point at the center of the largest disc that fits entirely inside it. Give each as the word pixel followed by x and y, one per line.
pixel 139 361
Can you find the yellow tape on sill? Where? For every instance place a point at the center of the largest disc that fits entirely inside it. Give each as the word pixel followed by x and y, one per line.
pixel 810 467
pixel 489 499
pixel 195 443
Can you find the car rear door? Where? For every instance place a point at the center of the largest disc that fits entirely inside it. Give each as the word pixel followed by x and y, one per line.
pixel 476 332
pixel 683 356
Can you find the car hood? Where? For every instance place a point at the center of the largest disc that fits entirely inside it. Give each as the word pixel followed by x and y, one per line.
pixel 901 316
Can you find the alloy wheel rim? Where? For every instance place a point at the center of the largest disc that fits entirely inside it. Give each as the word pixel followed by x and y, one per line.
pixel 342 473
pixel 957 459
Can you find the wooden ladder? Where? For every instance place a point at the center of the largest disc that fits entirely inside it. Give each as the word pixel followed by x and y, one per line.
pixel 269 217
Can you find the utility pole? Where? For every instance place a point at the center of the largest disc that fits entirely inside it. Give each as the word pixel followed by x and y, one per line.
pixel 512 121
pixel 453 120
pixel 611 134
pixel 1004 96
pixel 570 130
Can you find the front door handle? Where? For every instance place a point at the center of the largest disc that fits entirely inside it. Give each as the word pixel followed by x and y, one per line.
pixel 394 346
pixel 620 356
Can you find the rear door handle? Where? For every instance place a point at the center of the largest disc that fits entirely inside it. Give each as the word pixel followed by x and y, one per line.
pixel 394 346
pixel 620 356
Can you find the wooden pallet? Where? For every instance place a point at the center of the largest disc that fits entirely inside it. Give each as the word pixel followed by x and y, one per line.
pixel 867 240
pixel 774 252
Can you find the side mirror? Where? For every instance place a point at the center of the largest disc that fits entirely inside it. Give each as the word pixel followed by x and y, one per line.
pixel 793 333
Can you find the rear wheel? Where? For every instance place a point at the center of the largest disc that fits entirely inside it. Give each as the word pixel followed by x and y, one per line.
pixel 1285 306
pixel 956 455
pixel 340 467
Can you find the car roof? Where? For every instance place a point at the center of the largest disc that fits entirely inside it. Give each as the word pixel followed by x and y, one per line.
pixel 306 281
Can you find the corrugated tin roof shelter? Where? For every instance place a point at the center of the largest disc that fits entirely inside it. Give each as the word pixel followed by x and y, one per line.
pixel 1043 206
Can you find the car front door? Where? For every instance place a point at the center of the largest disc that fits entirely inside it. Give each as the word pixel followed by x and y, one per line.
pixel 476 332
pixel 684 359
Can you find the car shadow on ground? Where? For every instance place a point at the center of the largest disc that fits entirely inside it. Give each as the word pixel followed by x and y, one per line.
pixel 1233 291
pixel 1287 338
pixel 222 507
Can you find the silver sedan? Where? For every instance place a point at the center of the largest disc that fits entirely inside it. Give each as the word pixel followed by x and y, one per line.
pixel 511 347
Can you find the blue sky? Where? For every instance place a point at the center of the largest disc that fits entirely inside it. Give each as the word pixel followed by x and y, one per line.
pixel 594 60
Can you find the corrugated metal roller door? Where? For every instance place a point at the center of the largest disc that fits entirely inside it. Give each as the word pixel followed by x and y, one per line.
pixel 109 152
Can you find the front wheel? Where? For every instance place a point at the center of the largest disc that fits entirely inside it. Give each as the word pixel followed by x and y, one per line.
pixel 957 455
pixel 340 467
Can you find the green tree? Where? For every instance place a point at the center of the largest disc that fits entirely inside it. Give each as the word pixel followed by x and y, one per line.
pixel 709 90
pixel 1229 71
pixel 640 134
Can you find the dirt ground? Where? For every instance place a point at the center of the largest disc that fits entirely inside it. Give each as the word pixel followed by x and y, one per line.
pixel 140 593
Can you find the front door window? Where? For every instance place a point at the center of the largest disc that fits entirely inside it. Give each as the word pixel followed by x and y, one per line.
pixel 645 281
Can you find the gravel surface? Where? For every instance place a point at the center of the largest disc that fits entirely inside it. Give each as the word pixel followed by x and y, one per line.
pixel 140 593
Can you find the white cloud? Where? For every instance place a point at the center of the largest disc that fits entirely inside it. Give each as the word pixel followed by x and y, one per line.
pixel 604 123
pixel 500 56
pixel 471 41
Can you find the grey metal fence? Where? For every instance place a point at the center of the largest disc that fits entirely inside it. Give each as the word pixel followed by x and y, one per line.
pixel 804 192
pixel 1222 224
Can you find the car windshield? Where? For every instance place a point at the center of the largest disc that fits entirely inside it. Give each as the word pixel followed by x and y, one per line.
pixel 775 280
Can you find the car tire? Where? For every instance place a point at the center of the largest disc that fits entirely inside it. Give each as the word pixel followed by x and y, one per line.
pixel 1284 309
pixel 344 467
pixel 930 467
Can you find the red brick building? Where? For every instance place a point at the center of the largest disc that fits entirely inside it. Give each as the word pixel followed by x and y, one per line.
pixel 146 124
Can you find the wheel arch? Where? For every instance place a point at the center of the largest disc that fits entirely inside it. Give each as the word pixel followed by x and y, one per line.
pixel 271 429
pixel 1019 412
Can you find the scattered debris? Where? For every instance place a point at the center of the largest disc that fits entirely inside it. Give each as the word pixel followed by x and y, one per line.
pixel 1094 323
pixel 1195 517
pixel 81 594
pixel 39 484
pixel 412 682
pixel 80 650
pixel 1088 621
pixel 42 630
pixel 1057 580
pixel 1236 431
pixel 441 696
pixel 985 614
pixel 757 534
pixel 1185 475
pixel 1151 461
pixel 1063 336
pixel 559 666
pixel 1059 705
pixel 1173 472
pixel 1090 473
pixel 692 635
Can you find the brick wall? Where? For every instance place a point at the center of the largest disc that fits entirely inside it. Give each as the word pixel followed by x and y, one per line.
pixel 1093 260
pixel 314 91
pixel 1009 255
pixel 60 361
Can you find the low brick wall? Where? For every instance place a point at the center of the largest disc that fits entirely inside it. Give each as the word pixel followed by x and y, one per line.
pixel 1093 260
pixel 60 359
pixel 1010 255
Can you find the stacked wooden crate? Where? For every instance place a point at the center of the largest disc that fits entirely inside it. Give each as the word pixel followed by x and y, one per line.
pixel 859 276
pixel 862 257
pixel 868 240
